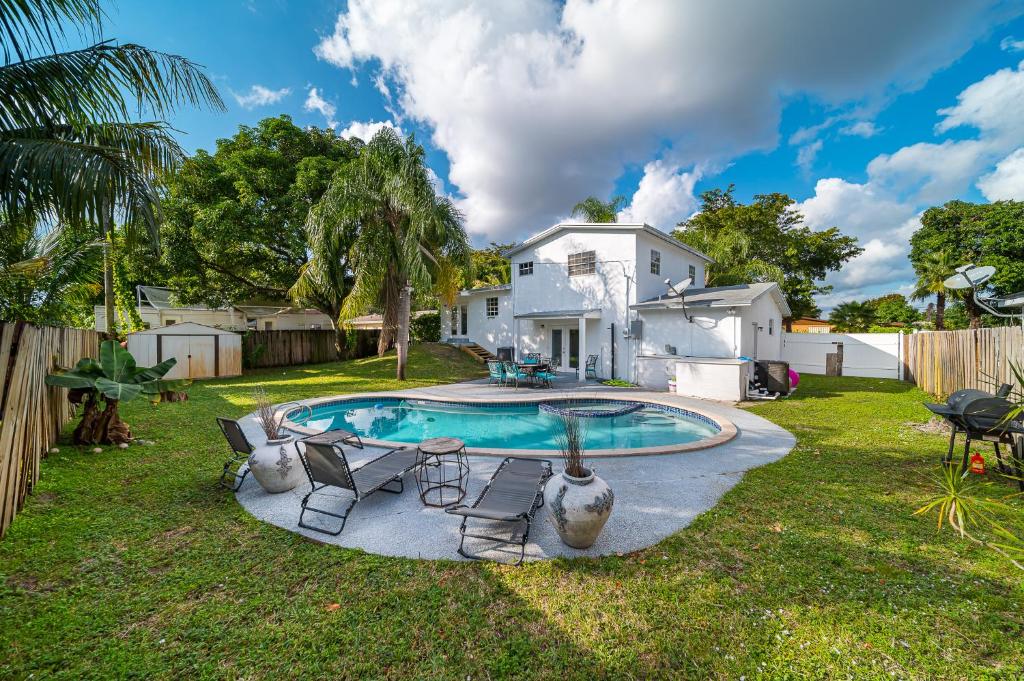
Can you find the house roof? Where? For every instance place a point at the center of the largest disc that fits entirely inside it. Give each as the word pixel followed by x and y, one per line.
pixel 561 314
pixel 376 321
pixel 740 295
pixel 485 289
pixel 605 227
pixel 184 329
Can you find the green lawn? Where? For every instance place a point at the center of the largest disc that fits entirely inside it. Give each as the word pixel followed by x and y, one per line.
pixel 134 563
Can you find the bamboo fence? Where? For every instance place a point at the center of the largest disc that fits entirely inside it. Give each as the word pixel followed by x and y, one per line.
pixel 262 349
pixel 940 362
pixel 32 412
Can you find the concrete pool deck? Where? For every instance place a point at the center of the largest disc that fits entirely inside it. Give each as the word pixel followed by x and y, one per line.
pixel 655 496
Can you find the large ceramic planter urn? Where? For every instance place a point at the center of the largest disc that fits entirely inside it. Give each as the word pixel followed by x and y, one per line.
pixel 578 507
pixel 276 466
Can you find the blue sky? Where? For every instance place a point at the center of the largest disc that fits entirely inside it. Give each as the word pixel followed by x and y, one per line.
pixel 526 107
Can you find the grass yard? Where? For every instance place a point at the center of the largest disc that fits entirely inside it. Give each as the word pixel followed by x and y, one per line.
pixel 134 563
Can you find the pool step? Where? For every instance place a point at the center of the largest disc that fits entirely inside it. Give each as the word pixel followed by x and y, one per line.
pixel 477 352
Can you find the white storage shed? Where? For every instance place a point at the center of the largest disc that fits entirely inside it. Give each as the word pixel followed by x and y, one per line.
pixel 202 351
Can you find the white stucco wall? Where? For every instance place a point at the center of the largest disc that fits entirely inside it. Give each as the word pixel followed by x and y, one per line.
pixel 713 333
pixel 675 264
pixel 488 332
pixel 766 313
pixel 551 288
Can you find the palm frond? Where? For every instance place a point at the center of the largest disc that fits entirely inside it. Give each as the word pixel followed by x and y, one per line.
pixel 108 169
pixel 30 25
pixel 104 82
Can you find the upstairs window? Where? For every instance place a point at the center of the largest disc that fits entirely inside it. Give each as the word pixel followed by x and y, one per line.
pixel 771 327
pixel 525 269
pixel 582 263
pixel 492 307
pixel 693 274
pixel 655 262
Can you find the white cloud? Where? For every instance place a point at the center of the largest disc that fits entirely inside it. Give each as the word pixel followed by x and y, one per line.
pixel 863 129
pixel 365 130
pixel 805 157
pixel 539 103
pixel 664 196
pixel 993 105
pixel 315 102
pixel 1007 180
pixel 259 95
pixel 1010 44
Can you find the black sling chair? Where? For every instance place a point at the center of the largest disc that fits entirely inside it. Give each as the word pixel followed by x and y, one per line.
pixel 240 450
pixel 327 466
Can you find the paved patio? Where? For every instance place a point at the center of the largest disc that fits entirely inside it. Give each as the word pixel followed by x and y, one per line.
pixel 655 496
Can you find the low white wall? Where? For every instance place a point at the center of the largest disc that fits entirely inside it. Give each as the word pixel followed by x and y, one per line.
pixel 876 355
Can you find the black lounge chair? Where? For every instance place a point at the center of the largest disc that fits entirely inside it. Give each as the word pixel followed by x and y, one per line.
pixel 240 449
pixel 511 497
pixel 326 465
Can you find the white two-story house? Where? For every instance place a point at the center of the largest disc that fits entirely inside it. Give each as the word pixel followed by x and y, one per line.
pixel 599 289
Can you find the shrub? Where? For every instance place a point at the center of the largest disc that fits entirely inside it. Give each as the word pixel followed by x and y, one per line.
pixel 426 327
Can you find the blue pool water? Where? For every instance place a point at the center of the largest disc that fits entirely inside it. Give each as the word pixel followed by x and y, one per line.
pixel 507 426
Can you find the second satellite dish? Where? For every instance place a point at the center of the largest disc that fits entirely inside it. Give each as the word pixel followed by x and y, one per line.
pixel 970 276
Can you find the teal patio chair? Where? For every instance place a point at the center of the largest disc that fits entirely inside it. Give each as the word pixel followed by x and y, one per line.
pixel 513 373
pixel 591 370
pixel 496 372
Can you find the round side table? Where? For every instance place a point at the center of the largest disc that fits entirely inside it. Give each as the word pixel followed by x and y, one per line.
pixel 442 471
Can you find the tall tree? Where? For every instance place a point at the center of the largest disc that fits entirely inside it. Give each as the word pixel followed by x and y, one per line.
pixel 982 234
pixel 236 219
pixel 406 236
pixel 71 149
pixel 593 209
pixel 894 309
pixel 766 240
pixel 932 271
pixel 489 266
pixel 853 316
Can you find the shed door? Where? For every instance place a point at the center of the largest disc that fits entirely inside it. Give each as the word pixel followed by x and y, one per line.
pixel 202 357
pixel 176 347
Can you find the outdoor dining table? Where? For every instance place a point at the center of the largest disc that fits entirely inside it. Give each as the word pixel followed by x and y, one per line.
pixel 531 368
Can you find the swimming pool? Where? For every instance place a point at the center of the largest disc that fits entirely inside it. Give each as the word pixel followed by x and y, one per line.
pixel 612 425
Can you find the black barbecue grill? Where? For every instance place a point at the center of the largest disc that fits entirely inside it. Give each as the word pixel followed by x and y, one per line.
pixel 980 415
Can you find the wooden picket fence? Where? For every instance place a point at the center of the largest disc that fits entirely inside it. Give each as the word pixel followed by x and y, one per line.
pixel 941 362
pixel 262 349
pixel 33 413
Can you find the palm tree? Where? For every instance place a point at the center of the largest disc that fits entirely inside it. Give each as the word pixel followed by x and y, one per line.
pixel 734 262
pixel 593 209
pixel 326 279
pixel 405 235
pixel 71 151
pixel 43 278
pixel 932 273
pixel 853 317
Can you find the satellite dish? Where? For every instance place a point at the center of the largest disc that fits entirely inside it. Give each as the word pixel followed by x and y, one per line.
pixel 969 276
pixel 680 287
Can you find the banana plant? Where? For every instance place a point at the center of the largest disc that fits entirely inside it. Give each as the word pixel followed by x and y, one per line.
pixel 114 378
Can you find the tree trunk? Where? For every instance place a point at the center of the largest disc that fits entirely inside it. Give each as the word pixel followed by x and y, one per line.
pixel 973 311
pixel 402 335
pixel 940 311
pixel 101 427
pixel 108 281
pixel 340 341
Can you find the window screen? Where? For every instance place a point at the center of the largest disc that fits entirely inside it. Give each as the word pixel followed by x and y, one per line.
pixel 492 307
pixel 655 262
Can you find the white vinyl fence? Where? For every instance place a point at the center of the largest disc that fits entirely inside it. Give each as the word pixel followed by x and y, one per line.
pixel 877 355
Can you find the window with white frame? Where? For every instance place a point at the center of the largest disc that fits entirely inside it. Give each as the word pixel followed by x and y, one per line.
pixel 525 268
pixel 455 320
pixel 693 274
pixel 492 307
pixel 582 263
pixel 771 327
pixel 655 262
